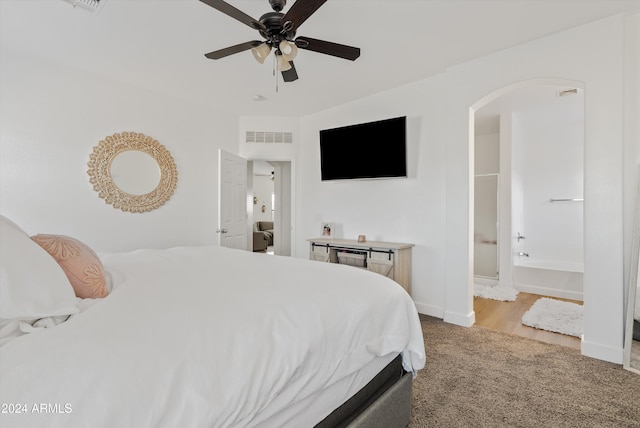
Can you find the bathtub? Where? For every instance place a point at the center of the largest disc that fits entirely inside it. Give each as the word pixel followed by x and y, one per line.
pixel 548 264
pixel 548 277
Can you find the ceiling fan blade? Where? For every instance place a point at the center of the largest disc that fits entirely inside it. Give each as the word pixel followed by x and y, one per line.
pixel 328 48
pixel 291 74
pixel 232 50
pixel 300 11
pixel 231 11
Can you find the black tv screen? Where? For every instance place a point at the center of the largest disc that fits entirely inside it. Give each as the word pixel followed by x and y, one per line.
pixel 367 150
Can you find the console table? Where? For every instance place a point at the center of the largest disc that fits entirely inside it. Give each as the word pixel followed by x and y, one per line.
pixel 391 259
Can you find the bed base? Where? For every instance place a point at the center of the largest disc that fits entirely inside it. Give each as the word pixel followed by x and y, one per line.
pixel 385 402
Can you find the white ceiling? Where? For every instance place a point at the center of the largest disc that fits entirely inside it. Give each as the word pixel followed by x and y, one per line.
pixel 160 44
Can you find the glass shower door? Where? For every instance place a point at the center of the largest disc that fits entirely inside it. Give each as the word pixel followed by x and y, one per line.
pixel 485 248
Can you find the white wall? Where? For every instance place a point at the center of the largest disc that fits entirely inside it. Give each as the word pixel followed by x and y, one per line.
pixel 268 151
pixel 431 207
pixel 632 132
pixel 283 157
pixel 408 210
pixel 596 59
pixel 487 153
pixel 550 140
pixel 51 119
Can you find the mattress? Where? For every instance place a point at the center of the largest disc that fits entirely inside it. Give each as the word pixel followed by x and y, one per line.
pixel 318 406
pixel 208 336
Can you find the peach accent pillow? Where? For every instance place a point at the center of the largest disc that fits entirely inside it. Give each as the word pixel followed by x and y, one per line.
pixel 79 262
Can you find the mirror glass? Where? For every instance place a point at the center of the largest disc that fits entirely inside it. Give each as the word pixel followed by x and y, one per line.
pixel 632 328
pixel 632 335
pixel 135 172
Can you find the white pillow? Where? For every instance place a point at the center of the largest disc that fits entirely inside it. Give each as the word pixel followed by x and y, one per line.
pixel 6 221
pixel 32 284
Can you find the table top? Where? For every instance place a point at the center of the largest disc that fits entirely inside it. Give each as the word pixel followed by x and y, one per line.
pixel 367 244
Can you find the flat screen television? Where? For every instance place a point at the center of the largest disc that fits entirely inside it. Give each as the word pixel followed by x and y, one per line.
pixel 366 150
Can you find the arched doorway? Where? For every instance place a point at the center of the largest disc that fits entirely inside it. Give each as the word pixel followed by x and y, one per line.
pixel 512 110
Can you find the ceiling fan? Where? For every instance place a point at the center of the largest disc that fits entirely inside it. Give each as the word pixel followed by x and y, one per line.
pixel 279 32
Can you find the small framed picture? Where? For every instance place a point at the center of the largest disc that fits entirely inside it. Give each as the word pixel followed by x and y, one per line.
pixel 327 230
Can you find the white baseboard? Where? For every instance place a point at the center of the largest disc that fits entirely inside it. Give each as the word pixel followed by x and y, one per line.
pixel 485 281
pixel 449 317
pixel 601 352
pixel 432 311
pixel 460 319
pixel 551 292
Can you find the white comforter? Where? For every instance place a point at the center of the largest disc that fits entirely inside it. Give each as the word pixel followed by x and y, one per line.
pixel 205 337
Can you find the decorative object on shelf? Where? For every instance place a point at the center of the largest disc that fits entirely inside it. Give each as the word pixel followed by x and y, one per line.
pixel 132 172
pixel 327 230
pixel 362 238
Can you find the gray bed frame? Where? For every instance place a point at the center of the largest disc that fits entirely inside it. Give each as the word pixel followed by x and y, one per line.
pixel 385 402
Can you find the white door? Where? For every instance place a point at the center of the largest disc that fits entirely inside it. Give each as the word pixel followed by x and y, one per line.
pixel 232 201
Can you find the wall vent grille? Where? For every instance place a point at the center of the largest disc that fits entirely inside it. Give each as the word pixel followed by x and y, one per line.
pixel 90 5
pixel 269 137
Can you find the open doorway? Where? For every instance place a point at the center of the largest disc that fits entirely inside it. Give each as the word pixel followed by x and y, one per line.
pixel 263 208
pixel 532 140
pixel 269 209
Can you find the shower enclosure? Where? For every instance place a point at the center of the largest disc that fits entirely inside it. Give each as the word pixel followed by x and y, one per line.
pixel 485 246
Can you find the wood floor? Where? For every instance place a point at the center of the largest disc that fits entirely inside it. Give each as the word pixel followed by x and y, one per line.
pixel 507 317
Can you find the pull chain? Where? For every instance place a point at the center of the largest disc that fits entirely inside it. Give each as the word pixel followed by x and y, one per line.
pixel 275 72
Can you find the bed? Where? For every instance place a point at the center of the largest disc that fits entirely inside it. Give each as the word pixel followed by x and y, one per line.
pixel 200 337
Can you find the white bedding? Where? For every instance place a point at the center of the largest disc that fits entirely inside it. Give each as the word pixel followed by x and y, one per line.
pixel 206 337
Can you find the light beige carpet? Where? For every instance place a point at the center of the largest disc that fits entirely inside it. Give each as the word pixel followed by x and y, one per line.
pixel 476 377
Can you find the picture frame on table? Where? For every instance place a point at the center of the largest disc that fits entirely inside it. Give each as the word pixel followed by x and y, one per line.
pixel 328 230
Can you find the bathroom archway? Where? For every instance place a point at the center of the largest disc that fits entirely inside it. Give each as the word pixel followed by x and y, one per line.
pixel 533 134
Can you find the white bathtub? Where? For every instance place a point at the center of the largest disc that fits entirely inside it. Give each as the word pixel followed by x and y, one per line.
pixel 548 277
pixel 548 264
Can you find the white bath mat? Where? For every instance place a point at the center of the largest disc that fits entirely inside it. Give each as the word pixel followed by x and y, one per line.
pixel 495 292
pixel 555 315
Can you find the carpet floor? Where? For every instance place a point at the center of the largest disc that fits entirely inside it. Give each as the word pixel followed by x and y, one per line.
pixel 476 377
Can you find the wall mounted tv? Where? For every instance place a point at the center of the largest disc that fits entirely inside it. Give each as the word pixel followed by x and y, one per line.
pixel 366 150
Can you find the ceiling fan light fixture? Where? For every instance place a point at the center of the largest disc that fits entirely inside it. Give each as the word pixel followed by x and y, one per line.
pixel 283 63
pixel 285 47
pixel 261 52
pixel 293 51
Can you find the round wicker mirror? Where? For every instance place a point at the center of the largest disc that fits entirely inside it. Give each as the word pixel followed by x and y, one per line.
pixel 100 172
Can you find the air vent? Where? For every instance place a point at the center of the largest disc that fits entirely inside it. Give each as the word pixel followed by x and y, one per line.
pixel 269 137
pixel 90 5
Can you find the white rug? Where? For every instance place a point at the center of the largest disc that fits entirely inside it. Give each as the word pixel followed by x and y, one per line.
pixel 555 315
pixel 495 292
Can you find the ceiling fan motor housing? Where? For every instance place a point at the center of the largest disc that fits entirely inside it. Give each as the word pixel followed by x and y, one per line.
pixel 274 32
